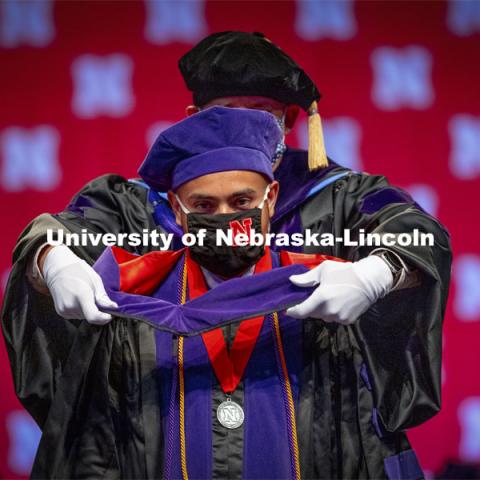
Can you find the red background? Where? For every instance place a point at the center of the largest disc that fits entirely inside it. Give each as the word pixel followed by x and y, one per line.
pixel 408 145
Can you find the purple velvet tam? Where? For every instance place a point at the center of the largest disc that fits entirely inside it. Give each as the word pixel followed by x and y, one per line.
pixel 216 139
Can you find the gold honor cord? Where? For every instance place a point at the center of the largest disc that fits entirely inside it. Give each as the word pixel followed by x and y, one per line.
pixel 181 381
pixel 291 405
pixel 288 388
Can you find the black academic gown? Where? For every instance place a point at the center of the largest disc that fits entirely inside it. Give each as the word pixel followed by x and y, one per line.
pixel 365 384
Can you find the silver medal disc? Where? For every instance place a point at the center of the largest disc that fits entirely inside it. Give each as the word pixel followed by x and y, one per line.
pixel 230 414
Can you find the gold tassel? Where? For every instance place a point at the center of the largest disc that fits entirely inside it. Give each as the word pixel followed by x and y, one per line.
pixel 317 156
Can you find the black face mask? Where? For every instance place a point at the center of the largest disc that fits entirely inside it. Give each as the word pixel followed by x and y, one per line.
pixel 225 260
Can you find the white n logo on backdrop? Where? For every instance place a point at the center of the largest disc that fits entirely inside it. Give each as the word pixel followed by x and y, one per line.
pixel 426 196
pixel 30 158
pixel 26 23
pixel 463 17
pixel 469 417
pixel 326 19
pixel 102 85
pixel 466 271
pixel 342 140
pixel 465 151
pixel 175 21
pixel 402 78
pixel 24 437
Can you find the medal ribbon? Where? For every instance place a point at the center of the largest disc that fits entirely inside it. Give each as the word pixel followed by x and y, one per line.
pixel 228 366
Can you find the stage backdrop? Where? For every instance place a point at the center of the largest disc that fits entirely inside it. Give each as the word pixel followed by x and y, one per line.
pixel 86 86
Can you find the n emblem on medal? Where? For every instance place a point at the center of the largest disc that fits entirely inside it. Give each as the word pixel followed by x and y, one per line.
pixel 230 414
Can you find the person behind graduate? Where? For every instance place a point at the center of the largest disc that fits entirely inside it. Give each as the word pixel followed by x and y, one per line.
pixel 162 392
pixel 239 69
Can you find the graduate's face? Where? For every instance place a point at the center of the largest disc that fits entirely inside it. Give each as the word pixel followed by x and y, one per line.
pixel 225 192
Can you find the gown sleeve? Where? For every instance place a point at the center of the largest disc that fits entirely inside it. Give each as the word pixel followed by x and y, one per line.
pixel 38 340
pixel 109 204
pixel 401 335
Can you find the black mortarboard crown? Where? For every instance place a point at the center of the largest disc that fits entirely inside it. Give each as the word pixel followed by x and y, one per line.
pixel 239 63
pixel 236 63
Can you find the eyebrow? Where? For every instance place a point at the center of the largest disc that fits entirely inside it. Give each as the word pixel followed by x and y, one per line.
pixel 202 196
pixel 245 191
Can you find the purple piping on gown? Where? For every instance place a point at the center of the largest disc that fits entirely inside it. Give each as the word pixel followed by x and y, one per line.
pixel 296 181
pixel 377 424
pixel 289 224
pixel 79 205
pixel 265 413
pixel 403 466
pixel 170 421
pixel 375 201
pixel 285 400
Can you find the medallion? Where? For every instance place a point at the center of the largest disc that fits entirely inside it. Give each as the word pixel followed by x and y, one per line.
pixel 230 414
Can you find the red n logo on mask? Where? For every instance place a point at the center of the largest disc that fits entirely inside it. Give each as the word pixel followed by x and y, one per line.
pixel 240 228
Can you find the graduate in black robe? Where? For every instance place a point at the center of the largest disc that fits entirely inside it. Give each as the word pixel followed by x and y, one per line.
pixel 376 377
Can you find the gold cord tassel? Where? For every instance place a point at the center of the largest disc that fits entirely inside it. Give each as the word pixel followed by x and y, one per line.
pixel 317 156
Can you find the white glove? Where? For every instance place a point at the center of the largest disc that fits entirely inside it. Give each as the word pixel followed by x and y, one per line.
pixel 346 290
pixel 75 287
